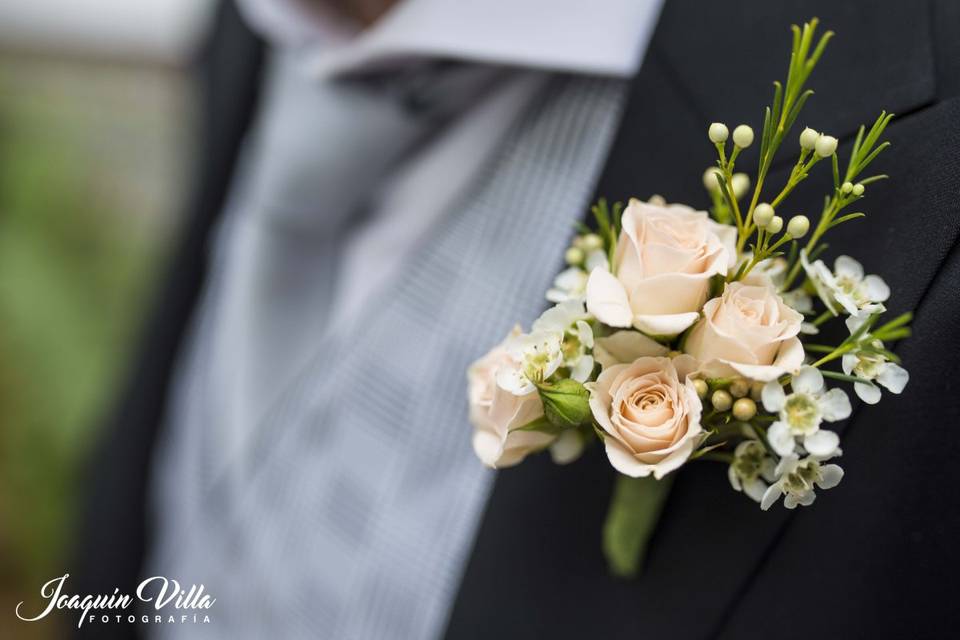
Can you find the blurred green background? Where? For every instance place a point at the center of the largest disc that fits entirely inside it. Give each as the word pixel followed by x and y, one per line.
pixel 95 158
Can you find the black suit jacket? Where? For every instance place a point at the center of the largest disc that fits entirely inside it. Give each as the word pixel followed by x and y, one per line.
pixel 875 556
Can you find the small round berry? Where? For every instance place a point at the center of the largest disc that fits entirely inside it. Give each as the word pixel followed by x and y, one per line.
pixel 798 226
pixel 763 214
pixel 574 256
pixel 739 388
pixel 776 224
pixel 740 183
pixel 743 136
pixel 744 409
pixel 701 386
pixel 721 400
pixel 858 189
pixel 591 242
pixel 808 139
pixel 826 145
pixel 710 180
pixel 718 132
pixel 846 187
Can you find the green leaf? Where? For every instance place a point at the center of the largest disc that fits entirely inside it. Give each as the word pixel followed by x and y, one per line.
pixel 565 403
pixel 631 518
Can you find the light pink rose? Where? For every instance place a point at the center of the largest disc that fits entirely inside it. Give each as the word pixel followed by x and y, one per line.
pixel 662 267
pixel 495 413
pixel 650 413
pixel 748 331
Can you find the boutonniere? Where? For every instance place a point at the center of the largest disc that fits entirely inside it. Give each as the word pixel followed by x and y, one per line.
pixel 680 335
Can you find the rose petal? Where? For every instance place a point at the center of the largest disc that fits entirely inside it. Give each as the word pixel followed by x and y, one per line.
pixel 625 347
pixel 488 447
pixel 665 325
pixel 607 299
pixel 623 461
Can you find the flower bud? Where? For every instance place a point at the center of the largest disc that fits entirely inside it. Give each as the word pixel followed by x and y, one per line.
pixel 710 181
pixel 721 400
pixel 846 187
pixel 591 242
pixel 743 136
pixel 808 139
pixel 763 214
pixel 574 256
pixel 718 132
pixel 739 388
pixel 740 183
pixel 701 386
pixel 566 403
pixel 756 391
pixel 744 409
pixel 798 226
pixel 776 224
pixel 825 146
pixel 858 189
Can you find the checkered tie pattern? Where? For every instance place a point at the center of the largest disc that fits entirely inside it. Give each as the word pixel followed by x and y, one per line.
pixel 350 510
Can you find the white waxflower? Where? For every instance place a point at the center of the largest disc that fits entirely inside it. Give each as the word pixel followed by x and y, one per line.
pixel 846 285
pixel 875 367
pixel 797 479
pixel 569 319
pixel 571 283
pixel 802 412
pixel 535 357
pixel 799 300
pixel 752 469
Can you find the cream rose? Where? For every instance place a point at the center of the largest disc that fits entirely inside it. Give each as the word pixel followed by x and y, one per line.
pixel 650 413
pixel 747 331
pixel 495 412
pixel 662 266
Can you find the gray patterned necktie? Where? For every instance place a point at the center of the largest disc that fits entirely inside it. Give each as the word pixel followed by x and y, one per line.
pixel 350 509
pixel 315 165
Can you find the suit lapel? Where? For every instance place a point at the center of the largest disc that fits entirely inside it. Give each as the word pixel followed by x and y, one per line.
pixel 537 566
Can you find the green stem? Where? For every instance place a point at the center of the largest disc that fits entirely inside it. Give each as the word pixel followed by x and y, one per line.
pixel 631 519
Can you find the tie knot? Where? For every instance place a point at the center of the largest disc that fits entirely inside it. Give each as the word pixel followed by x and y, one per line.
pixel 428 88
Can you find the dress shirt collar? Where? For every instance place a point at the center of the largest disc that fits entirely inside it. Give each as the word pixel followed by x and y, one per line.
pixel 599 37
